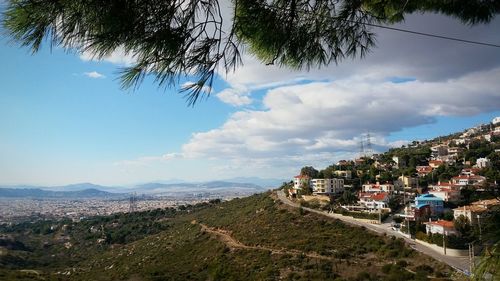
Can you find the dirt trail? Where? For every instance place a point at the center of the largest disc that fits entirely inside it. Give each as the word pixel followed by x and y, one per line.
pixel 225 237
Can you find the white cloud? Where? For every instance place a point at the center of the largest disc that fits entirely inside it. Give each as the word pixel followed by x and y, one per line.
pixel 119 57
pixel 319 123
pixel 94 74
pixel 205 89
pixel 148 160
pixel 317 117
pixel 396 54
pixel 328 117
pixel 234 97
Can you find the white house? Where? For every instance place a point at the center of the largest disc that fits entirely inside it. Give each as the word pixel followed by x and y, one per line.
pixel 377 187
pixel 469 171
pixel 400 163
pixel 327 186
pixel 447 194
pixel 374 201
pixel 343 174
pixel 495 120
pixel 482 163
pixel 467 180
pixel 298 182
pixel 439 150
pixel 440 227
pixel 454 151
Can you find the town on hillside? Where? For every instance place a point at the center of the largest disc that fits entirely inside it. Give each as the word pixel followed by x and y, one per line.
pixel 443 192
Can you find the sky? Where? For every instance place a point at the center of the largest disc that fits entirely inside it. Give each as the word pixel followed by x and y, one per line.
pixel 64 118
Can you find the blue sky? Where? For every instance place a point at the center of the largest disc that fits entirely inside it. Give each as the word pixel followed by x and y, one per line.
pixel 64 118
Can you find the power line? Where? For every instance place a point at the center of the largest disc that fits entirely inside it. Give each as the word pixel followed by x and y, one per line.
pixel 429 34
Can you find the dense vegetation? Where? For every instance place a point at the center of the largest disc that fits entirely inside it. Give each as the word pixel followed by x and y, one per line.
pixel 275 242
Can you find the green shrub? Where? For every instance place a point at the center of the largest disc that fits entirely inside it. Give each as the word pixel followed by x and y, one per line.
pixel 422 236
pixel 424 268
pixel 402 263
pixel 386 268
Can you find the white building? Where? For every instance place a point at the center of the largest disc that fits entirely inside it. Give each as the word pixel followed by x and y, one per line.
pixel 495 120
pixel 327 186
pixel 482 163
pixel 377 187
pixel 439 150
pixel 375 201
pixel 400 163
pixel 440 227
pixel 454 151
pixel 447 194
pixel 467 180
pixel 298 182
pixel 343 174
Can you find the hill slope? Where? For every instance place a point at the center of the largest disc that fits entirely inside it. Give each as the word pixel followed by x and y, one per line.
pixel 254 238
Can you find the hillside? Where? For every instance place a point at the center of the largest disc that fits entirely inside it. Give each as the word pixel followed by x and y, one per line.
pixel 254 238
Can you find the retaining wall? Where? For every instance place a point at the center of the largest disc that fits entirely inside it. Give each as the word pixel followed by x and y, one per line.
pixel 449 251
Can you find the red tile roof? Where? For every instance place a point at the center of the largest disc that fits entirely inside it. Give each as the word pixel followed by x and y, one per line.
pixel 442 223
pixel 378 196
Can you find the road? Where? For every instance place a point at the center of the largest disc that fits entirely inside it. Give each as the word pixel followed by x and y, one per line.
pixel 459 263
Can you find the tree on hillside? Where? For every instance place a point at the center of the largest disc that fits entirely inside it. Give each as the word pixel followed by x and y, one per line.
pixel 489 264
pixel 309 171
pixel 462 225
pixel 170 39
pixel 305 189
pixel 348 197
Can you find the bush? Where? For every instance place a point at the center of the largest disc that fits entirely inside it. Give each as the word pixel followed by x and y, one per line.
pixel 402 263
pixel 398 219
pixel 314 204
pixel 437 239
pixel 422 236
pixel 386 268
pixel 424 268
pixel 364 276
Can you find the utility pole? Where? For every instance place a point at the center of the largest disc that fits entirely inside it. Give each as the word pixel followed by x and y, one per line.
pixel 471 257
pixel 444 241
pixel 479 224
pixel 379 215
pixel 408 227
pixel 133 203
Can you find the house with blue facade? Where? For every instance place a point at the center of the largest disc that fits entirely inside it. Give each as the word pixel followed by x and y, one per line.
pixel 434 203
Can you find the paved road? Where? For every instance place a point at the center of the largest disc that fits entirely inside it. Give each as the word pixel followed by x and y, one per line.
pixel 459 263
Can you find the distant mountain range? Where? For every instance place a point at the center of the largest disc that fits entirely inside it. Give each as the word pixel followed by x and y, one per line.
pixel 37 193
pixel 267 183
pixel 89 190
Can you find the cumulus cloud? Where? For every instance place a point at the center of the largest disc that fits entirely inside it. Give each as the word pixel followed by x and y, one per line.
pixel 317 117
pixel 234 97
pixel 119 57
pixel 396 54
pixel 94 74
pixel 329 117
